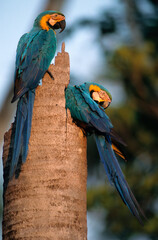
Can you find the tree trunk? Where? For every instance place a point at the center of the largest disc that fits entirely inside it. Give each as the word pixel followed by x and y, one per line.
pixel 48 200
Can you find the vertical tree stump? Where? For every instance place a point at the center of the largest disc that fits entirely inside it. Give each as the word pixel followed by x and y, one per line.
pixel 48 200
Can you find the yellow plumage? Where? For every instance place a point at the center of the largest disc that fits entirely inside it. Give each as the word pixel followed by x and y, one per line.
pixel 43 22
pixel 118 152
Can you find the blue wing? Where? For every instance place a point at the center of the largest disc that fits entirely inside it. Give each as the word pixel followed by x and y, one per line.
pixel 85 110
pixel 34 54
pixel 116 176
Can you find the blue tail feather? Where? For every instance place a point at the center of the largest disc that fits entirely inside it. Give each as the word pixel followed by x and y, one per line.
pixel 116 176
pixel 27 126
pixel 22 130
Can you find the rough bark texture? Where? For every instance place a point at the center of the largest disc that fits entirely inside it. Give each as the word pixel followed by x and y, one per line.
pixel 48 200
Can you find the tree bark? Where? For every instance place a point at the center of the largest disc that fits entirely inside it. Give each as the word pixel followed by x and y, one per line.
pixel 48 200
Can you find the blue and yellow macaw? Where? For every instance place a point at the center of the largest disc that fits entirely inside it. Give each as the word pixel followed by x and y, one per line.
pixel 35 52
pixel 87 104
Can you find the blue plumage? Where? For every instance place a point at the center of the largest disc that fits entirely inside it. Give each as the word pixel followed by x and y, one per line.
pixel 34 54
pixel 85 103
pixel 35 51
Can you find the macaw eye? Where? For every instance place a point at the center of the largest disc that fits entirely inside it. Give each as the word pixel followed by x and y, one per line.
pixel 55 15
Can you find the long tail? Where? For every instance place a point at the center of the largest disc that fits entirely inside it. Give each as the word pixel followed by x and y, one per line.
pixel 22 130
pixel 116 176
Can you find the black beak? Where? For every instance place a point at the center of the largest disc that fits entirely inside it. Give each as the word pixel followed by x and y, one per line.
pixel 61 24
pixel 104 104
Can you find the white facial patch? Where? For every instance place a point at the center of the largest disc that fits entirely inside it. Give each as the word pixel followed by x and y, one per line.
pixel 95 96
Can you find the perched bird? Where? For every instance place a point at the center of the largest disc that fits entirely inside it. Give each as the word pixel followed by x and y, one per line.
pixel 87 104
pixel 35 51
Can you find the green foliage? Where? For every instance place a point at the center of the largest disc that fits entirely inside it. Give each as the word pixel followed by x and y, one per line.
pixel 136 121
pixel 134 62
pixel 119 221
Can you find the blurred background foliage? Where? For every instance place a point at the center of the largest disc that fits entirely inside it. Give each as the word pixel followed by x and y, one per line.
pixel 127 39
pixel 133 62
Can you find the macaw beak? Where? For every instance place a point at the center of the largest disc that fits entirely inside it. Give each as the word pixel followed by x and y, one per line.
pixel 101 98
pixel 61 25
pixel 104 103
pixel 104 99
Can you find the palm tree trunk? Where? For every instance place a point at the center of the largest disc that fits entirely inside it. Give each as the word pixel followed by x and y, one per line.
pixel 48 200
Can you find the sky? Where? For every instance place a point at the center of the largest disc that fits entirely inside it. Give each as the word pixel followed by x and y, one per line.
pixel 17 18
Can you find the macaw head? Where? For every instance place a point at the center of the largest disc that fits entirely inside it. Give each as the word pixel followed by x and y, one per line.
pixel 50 20
pixel 99 94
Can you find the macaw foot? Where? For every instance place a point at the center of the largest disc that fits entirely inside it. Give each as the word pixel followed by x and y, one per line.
pixel 50 74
